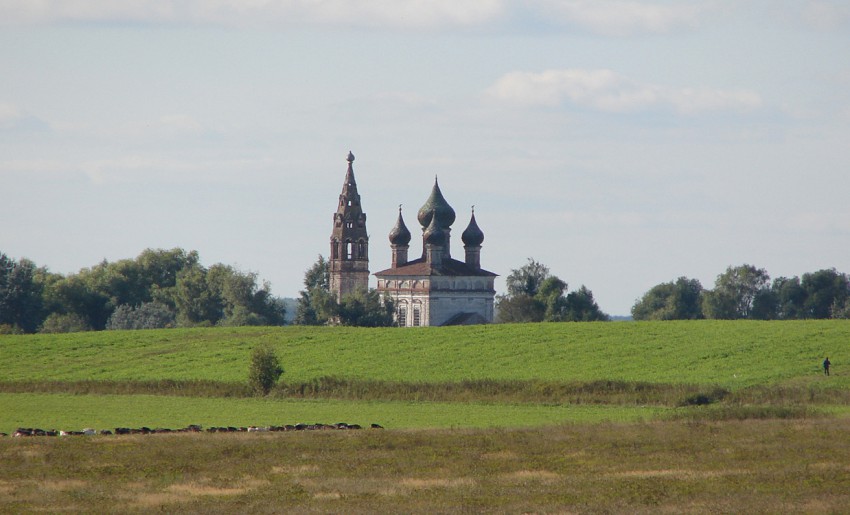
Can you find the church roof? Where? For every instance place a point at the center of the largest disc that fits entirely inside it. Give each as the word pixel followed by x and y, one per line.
pixel 400 235
pixel 472 236
pixel 448 267
pixel 436 207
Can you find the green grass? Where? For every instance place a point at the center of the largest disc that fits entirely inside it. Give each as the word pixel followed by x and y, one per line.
pixel 75 412
pixel 728 354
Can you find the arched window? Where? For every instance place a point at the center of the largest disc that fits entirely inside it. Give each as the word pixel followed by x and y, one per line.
pixel 349 247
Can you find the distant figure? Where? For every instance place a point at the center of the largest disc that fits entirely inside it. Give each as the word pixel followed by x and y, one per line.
pixel 826 364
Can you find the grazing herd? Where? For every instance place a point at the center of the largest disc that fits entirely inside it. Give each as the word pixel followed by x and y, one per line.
pixel 193 428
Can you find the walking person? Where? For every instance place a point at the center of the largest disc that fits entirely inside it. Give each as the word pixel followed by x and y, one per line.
pixel 826 365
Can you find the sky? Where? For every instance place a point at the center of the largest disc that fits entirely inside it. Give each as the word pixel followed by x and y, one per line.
pixel 621 143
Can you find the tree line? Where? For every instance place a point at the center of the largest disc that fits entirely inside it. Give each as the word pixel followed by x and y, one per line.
pixel 535 295
pixel 747 292
pixel 157 289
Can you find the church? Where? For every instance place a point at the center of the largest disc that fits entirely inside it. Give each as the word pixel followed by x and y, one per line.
pixel 432 290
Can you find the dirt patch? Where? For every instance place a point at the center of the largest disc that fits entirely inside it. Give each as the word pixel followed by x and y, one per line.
pixel 679 473
pixel 61 485
pixel 184 492
pixel 7 487
pixel 421 484
pixel 323 496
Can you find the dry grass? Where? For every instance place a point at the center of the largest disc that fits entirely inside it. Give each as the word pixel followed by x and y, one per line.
pixel 753 466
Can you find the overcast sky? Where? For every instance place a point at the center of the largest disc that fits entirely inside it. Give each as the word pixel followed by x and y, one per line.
pixel 621 143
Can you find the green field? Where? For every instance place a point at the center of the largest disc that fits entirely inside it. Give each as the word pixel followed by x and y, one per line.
pixel 547 367
pixel 730 354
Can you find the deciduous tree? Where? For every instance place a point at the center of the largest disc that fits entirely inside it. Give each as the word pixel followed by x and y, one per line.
pixel 679 300
pixel 735 292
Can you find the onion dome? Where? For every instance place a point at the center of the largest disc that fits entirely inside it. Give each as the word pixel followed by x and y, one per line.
pixel 399 235
pixel 472 235
pixel 434 234
pixel 436 207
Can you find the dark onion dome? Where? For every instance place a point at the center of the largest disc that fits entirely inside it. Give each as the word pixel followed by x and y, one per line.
pixel 399 235
pixel 436 205
pixel 434 234
pixel 472 235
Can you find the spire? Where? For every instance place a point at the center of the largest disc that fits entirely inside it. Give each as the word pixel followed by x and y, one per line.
pixel 349 187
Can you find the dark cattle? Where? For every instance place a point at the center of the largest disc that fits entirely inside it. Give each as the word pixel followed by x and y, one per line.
pixel 377 426
pixel 300 427
pixel 105 432
pixel 122 430
pixel 354 426
pixel 194 428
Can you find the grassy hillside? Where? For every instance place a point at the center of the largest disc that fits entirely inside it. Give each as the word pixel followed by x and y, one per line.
pixel 731 354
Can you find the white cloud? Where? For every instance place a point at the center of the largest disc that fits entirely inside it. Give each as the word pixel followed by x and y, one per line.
pixel 362 13
pixel 9 116
pixel 14 118
pixel 624 17
pixel 608 91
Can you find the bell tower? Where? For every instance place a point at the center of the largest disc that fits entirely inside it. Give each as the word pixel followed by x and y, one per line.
pixel 349 258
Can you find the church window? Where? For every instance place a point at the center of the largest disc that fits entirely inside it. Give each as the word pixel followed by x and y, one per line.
pixel 335 250
pixel 348 249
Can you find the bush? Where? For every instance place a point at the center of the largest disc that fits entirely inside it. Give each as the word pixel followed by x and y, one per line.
pixel 265 369
pixel 70 323
pixel 149 315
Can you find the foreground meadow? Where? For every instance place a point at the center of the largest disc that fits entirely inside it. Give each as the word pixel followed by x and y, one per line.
pixel 763 466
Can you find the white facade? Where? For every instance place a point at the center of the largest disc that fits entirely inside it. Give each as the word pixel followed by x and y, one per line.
pixel 438 300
